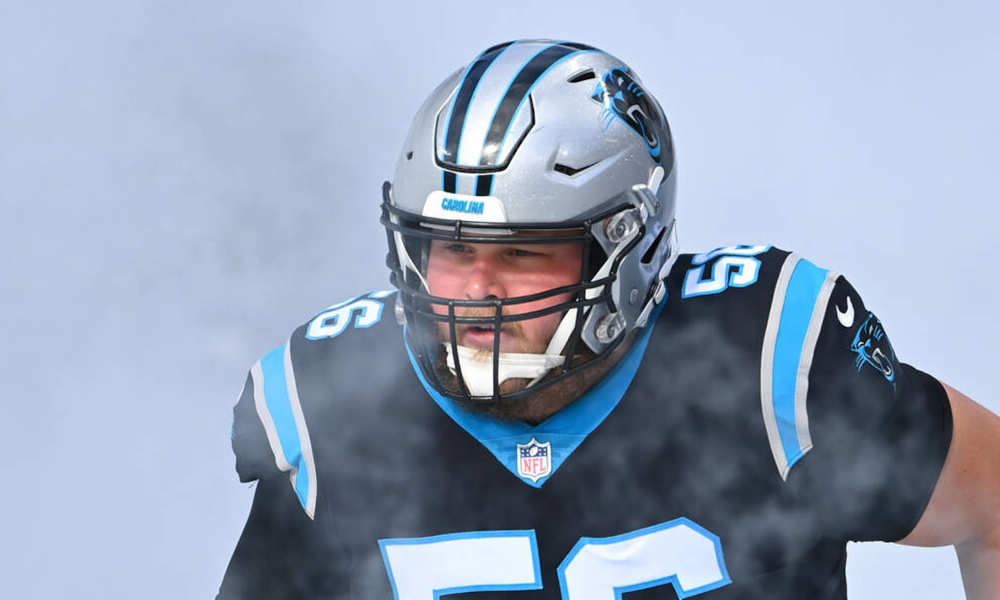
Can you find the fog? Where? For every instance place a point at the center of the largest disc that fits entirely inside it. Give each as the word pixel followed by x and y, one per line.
pixel 182 183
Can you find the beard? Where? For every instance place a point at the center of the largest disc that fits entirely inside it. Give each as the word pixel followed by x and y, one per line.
pixel 506 409
pixel 516 401
pixel 535 404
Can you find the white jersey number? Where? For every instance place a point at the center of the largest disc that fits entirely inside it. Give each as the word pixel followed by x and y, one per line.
pixel 732 266
pixel 360 312
pixel 679 552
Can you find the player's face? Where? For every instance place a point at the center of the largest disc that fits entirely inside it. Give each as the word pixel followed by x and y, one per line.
pixel 469 271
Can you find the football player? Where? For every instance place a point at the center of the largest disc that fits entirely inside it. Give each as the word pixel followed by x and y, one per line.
pixel 555 403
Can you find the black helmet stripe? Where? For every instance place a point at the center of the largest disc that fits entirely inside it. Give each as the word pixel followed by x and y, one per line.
pixel 460 105
pixel 516 93
pixel 484 185
pixel 449 181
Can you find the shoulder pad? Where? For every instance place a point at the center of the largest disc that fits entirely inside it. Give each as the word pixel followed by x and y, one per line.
pixel 269 424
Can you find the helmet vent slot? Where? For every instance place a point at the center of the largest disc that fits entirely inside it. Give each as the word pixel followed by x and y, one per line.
pixel 582 76
pixel 409 155
pixel 651 252
pixel 571 171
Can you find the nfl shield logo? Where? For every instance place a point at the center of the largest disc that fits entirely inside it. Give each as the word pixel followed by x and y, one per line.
pixel 534 460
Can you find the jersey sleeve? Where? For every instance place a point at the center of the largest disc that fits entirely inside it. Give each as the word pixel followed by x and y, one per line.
pixel 859 436
pixel 270 434
pixel 282 554
pixel 254 458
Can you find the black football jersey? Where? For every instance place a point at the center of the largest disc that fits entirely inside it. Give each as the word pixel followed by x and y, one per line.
pixel 759 421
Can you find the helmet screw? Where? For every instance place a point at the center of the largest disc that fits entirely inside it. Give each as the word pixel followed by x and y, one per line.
pixel 621 226
pixel 610 327
pixel 399 311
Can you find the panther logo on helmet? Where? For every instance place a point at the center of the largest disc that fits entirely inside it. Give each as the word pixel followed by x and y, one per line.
pixel 625 99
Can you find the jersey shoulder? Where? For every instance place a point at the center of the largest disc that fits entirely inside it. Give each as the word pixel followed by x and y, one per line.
pixel 749 288
pixel 290 388
pixel 725 268
pixel 777 314
pixel 754 268
pixel 730 294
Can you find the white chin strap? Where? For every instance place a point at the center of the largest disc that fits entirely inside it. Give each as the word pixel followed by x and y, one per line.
pixel 477 365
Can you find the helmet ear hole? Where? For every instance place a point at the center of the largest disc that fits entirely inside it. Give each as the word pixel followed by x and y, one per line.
pixel 654 247
pixel 596 257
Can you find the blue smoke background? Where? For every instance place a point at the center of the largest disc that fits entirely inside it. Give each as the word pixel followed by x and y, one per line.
pixel 182 183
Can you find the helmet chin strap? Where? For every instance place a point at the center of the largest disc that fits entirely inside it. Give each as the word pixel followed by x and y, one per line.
pixel 477 366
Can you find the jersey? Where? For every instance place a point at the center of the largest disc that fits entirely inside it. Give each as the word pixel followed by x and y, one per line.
pixel 759 421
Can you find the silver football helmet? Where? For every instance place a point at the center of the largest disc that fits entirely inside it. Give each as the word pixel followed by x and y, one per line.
pixel 553 138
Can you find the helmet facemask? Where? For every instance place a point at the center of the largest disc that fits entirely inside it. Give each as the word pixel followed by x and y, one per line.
pixel 590 327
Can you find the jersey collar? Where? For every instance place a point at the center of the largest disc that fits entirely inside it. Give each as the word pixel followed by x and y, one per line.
pixel 534 453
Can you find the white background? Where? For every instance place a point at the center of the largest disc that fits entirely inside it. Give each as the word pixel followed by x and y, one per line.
pixel 182 182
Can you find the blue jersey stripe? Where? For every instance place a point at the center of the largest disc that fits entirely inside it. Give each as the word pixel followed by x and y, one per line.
pixel 797 312
pixel 279 405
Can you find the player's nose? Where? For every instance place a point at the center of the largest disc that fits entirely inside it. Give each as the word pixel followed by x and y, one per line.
pixel 484 281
